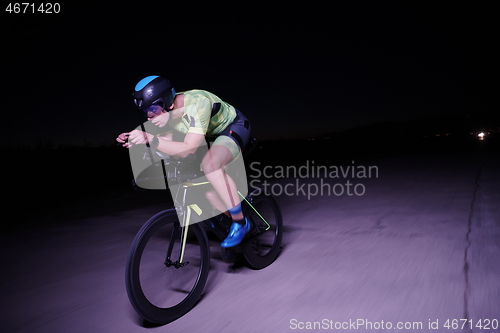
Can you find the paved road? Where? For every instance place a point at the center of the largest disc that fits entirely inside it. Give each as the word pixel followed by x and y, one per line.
pixel 421 245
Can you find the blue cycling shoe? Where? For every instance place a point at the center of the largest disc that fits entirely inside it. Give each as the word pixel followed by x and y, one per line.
pixel 236 234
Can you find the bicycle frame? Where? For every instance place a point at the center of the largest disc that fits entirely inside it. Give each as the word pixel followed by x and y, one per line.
pixel 186 211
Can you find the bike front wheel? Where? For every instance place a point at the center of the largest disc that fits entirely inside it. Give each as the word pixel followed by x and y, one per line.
pixel 160 287
pixel 264 243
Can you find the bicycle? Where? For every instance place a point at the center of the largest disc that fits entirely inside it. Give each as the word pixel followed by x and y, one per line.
pixel 168 262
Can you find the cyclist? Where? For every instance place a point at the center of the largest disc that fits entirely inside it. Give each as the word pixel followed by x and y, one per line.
pixel 197 114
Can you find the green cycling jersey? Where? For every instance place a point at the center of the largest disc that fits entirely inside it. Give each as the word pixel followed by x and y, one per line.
pixel 198 117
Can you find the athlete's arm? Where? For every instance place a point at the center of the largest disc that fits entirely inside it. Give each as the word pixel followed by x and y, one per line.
pixel 181 149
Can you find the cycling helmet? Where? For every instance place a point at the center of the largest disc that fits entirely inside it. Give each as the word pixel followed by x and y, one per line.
pixel 153 90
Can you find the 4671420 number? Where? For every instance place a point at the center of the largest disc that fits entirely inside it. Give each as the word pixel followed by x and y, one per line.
pixel 462 324
pixel 28 7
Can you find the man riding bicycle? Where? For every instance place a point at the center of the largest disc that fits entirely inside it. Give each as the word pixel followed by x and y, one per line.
pixel 197 114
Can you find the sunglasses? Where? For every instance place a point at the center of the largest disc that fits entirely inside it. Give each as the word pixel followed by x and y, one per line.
pixel 153 108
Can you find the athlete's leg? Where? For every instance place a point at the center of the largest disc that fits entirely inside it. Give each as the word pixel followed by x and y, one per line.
pixel 213 164
pixel 224 150
pixel 216 202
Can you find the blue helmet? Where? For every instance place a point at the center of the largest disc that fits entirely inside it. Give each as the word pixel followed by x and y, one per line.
pixel 153 90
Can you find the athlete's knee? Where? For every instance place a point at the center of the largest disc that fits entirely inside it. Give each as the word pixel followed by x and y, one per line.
pixel 211 163
pixel 208 165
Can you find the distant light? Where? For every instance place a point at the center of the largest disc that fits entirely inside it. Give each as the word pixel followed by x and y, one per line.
pixel 481 135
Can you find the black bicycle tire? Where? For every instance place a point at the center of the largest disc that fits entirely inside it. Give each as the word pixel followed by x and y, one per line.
pixel 253 259
pixel 141 304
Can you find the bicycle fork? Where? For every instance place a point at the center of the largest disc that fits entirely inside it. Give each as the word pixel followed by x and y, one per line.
pixel 174 234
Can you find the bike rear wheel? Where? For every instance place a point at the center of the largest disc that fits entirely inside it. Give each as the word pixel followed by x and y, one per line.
pixel 265 238
pixel 159 292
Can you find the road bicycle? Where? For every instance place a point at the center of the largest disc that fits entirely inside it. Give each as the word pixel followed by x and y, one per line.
pixel 169 259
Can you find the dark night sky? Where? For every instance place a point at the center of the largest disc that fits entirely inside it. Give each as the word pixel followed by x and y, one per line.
pixel 293 70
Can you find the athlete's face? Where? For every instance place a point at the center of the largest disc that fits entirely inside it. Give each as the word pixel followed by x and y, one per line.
pixel 154 111
pixel 158 115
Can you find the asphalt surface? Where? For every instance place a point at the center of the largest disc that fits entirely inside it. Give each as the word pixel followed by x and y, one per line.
pixel 419 248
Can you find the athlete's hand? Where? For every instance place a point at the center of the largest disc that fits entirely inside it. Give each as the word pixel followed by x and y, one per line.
pixel 137 137
pixel 161 120
pixel 123 138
